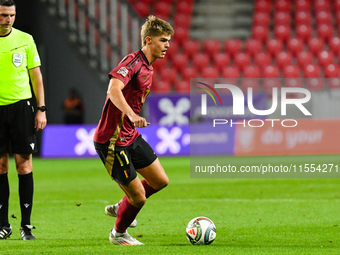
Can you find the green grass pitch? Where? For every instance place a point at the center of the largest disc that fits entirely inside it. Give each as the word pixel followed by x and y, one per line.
pixel 252 216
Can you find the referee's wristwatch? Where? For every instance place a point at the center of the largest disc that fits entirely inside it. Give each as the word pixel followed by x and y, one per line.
pixel 42 108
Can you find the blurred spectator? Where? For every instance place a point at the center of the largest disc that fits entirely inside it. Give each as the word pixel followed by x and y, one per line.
pixel 73 108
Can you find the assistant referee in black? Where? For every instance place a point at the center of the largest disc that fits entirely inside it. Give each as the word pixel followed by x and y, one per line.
pixel 19 64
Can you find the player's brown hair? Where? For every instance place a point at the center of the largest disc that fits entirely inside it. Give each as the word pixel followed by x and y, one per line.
pixel 7 2
pixel 154 26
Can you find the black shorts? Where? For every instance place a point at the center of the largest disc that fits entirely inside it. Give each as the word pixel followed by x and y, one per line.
pixel 121 162
pixel 17 128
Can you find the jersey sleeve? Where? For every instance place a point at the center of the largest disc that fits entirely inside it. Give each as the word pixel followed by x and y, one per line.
pixel 123 71
pixel 33 59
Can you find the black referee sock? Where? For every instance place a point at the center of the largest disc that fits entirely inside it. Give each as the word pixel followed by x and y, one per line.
pixel 4 196
pixel 26 197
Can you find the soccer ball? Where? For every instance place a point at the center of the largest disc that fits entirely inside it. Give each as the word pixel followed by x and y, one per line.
pixel 201 230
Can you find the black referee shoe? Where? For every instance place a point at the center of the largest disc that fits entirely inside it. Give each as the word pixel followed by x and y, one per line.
pixel 26 232
pixel 5 232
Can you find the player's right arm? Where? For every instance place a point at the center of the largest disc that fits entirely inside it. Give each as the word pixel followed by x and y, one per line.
pixel 117 98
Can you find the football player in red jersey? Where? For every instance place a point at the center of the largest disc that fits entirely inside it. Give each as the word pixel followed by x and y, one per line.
pixel 117 141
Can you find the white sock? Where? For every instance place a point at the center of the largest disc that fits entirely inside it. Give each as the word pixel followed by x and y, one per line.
pixel 115 233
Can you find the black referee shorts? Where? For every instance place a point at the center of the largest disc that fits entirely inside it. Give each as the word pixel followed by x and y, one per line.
pixel 121 162
pixel 17 130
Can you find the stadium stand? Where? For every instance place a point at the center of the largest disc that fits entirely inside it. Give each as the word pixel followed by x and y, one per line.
pixel 288 39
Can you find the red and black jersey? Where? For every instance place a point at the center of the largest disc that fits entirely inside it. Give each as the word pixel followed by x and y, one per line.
pixel 136 73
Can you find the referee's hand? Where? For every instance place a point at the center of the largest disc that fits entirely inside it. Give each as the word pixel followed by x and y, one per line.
pixel 40 120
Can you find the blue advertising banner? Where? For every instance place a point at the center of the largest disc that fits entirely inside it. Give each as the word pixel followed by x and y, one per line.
pixel 207 141
pixel 77 140
pixel 168 110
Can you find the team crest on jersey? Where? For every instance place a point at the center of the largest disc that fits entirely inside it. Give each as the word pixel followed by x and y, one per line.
pixel 17 59
pixel 123 71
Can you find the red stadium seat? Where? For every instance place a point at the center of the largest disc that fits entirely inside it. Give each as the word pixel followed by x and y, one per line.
pixel 168 74
pixel 260 32
pixel 282 6
pixel 182 86
pixel 231 72
pixel 337 5
pixel 182 20
pixel 283 59
pixel 334 44
pixel 162 7
pixel 150 1
pixel 250 83
pixel 144 1
pixel 294 45
pixel 242 60
pixel 142 9
pixel 159 64
pixel 251 71
pixel 325 58
pixel 221 60
pixel 315 84
pixel 323 17
pixel 304 58
pixel 185 7
pixel 253 46
pixel 274 46
pixel 334 83
pixel 311 71
pixel 180 61
pixel 262 6
pixel 191 47
pixel 163 17
pixel 271 73
pixel 262 59
pixel 282 32
pixel 291 71
pixel 188 73
pixel 210 72
pixel 332 71
pixel 337 17
pixel 303 32
pixel 302 5
pixel 294 83
pixel 321 5
pixel 303 18
pixel 181 35
pixel 233 46
pixel 200 61
pixel 325 31
pixel 261 19
pixel 160 86
pixel 315 45
pixel 230 75
pixel 282 18
pixel 211 46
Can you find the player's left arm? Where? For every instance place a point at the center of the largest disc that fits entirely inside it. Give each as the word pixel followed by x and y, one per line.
pixel 38 89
